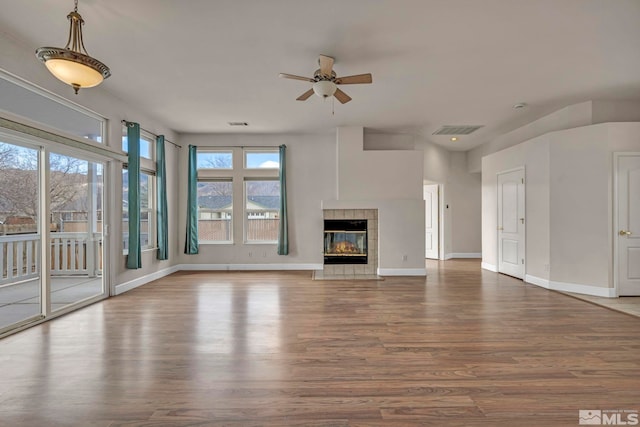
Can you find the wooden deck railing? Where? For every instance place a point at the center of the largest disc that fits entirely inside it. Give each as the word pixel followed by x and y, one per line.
pixel 19 258
pixel 71 254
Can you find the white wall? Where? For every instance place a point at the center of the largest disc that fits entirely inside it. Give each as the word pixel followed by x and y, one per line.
pixel 572 116
pixel 579 200
pixel 582 200
pixel 371 175
pixel 534 156
pixel 390 181
pixel 460 190
pixel 311 173
pixel 18 58
pixel 463 197
pixel 569 206
pixel 565 118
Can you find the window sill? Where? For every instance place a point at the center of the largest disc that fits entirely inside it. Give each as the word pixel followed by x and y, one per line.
pixel 124 253
pixel 212 242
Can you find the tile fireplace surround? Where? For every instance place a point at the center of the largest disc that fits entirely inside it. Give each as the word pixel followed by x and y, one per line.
pixel 355 270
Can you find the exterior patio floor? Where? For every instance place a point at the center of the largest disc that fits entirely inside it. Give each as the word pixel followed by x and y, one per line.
pixel 21 301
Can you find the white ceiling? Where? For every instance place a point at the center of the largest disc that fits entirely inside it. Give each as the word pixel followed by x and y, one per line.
pixel 198 64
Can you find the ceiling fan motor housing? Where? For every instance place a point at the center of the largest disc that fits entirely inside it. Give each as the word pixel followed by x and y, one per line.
pixel 318 76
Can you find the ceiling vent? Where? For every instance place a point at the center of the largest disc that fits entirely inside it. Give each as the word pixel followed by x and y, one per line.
pixel 456 130
pixel 238 124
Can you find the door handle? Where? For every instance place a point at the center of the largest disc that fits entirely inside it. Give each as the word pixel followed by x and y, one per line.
pixel 624 233
pixel 522 220
pixel 500 228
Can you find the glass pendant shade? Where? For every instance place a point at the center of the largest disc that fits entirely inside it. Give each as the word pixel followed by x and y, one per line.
pixel 74 73
pixel 324 88
pixel 72 64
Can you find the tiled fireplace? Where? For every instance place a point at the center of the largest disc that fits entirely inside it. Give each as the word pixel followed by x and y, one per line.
pixel 350 242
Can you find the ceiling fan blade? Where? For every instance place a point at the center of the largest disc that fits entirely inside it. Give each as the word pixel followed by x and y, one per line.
pixel 341 96
pixel 357 79
pixel 326 65
pixel 291 76
pixel 305 95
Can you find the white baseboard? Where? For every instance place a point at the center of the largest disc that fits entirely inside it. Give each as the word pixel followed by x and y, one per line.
pixel 538 281
pixel 132 284
pixel 490 267
pixel 571 287
pixel 402 272
pixel 463 255
pixel 248 267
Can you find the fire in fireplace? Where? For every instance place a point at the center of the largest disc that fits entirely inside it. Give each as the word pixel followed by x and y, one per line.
pixel 345 241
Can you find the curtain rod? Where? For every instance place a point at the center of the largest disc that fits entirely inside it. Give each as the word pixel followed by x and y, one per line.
pixel 239 146
pixel 124 122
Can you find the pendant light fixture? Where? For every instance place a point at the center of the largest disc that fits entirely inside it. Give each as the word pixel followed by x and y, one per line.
pixel 72 64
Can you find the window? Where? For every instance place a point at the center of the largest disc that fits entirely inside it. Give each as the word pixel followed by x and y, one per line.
pixel 247 178
pixel 215 212
pixel 262 211
pixel 215 196
pixel 261 159
pixel 147 193
pixel 146 146
pixel 26 100
pixel 215 160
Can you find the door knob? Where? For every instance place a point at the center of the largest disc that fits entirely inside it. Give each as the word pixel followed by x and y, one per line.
pixel 624 233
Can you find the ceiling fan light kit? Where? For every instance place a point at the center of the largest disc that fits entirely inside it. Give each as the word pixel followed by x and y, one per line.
pixel 324 88
pixel 325 82
pixel 72 64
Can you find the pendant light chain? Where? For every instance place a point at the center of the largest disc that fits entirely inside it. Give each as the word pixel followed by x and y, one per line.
pixel 75 9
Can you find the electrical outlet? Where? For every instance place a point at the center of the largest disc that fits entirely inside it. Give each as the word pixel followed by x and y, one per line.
pixel 404 257
pixel 264 254
pixel 250 254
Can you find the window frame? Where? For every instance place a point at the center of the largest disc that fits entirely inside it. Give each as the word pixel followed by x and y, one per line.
pixel 232 219
pixel 245 214
pixel 238 175
pixel 148 168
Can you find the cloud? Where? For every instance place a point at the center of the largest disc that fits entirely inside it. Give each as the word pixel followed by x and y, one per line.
pixel 269 164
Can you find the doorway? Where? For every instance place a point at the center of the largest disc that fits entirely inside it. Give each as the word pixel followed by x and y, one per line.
pixel 431 221
pixel 511 223
pixel 627 223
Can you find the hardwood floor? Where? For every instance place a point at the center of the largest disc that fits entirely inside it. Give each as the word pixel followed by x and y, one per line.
pixel 464 347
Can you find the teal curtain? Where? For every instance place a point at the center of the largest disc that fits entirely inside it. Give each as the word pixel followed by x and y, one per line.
pixel 134 259
pixel 283 231
pixel 191 243
pixel 162 226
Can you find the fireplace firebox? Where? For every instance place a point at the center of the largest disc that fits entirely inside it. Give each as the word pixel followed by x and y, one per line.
pixel 345 241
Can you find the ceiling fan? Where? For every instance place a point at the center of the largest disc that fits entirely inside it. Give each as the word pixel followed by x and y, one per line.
pixel 325 81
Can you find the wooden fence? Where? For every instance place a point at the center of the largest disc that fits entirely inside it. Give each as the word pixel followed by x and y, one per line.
pixel 219 230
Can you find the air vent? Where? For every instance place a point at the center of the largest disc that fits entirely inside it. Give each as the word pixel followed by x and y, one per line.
pixel 238 124
pixel 456 130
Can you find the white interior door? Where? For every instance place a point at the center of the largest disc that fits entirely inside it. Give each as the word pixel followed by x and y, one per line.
pixel 628 219
pixel 511 256
pixel 431 222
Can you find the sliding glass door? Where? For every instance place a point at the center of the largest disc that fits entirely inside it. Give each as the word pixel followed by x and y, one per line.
pixel 51 240
pixel 20 236
pixel 75 235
